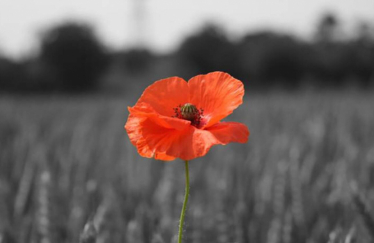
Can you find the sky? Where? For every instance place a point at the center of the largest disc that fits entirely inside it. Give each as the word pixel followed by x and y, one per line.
pixel 162 24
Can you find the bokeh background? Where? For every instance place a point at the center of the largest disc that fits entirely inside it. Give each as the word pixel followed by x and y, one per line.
pixel 69 69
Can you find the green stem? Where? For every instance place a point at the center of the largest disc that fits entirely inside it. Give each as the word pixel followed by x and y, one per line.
pixel 183 213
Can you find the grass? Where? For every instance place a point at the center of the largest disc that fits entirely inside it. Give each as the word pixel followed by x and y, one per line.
pixel 67 167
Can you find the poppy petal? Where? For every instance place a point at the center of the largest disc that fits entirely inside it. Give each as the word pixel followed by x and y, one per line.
pixel 217 93
pixel 163 156
pixel 147 111
pixel 143 149
pixel 191 142
pixel 133 128
pixel 227 132
pixel 166 94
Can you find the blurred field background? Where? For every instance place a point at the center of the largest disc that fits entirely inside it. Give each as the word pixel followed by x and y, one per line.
pixel 68 169
pixel 65 161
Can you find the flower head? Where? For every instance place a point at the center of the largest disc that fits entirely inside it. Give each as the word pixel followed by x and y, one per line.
pixel 178 119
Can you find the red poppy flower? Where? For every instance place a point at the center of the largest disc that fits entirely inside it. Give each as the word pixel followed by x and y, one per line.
pixel 178 119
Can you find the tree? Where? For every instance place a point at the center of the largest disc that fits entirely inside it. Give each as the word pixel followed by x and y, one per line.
pixel 136 61
pixel 209 50
pixel 271 59
pixel 74 55
pixel 11 75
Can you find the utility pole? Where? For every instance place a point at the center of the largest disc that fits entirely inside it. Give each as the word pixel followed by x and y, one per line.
pixel 139 23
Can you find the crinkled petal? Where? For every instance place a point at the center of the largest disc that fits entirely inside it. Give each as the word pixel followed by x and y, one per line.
pixel 227 132
pixel 191 142
pixel 166 94
pixel 218 93
pixel 141 113
pixel 143 149
pixel 147 111
pixel 163 156
pixel 133 128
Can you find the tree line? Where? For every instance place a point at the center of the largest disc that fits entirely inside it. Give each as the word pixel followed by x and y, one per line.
pixel 73 59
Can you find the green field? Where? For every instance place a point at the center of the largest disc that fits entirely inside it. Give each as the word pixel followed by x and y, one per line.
pixel 65 160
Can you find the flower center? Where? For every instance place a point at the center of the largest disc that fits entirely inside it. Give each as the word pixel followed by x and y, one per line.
pixel 189 112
